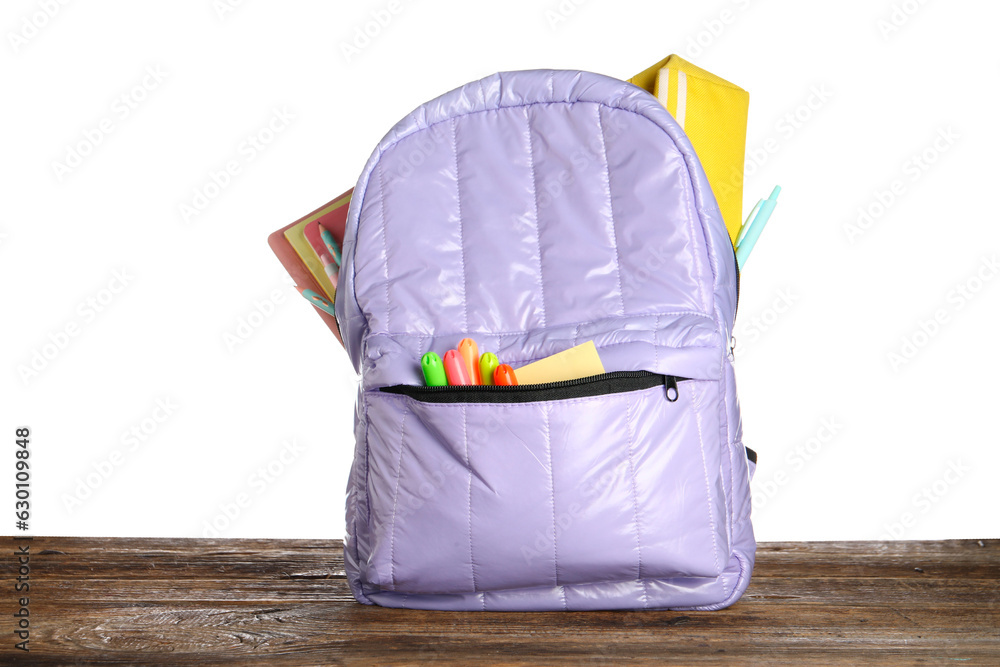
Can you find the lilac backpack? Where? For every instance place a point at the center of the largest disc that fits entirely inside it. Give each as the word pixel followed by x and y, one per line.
pixel 532 211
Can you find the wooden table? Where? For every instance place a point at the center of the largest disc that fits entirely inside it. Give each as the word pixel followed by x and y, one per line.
pixel 286 602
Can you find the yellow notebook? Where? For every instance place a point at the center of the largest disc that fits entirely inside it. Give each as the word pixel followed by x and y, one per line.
pixel 713 114
pixel 577 362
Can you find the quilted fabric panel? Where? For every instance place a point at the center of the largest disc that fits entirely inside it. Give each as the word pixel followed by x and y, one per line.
pixel 582 204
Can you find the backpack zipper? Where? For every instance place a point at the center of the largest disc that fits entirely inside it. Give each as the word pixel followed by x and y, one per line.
pixel 670 387
pixel 736 262
pixel 595 385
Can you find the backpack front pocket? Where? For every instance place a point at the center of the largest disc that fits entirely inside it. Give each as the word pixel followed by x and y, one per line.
pixel 611 478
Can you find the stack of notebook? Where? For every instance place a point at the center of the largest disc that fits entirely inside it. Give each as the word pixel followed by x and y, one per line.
pixel 311 260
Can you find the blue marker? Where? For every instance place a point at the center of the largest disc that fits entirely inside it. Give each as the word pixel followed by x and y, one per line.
pixel 751 232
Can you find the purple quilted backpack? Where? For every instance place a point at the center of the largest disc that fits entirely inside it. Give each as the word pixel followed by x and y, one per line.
pixel 533 211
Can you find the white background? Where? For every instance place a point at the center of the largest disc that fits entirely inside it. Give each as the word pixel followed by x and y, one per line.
pixel 852 444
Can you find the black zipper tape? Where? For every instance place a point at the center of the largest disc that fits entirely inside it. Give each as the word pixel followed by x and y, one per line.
pixel 596 385
pixel 736 261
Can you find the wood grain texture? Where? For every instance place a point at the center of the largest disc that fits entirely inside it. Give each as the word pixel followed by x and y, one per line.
pixel 286 602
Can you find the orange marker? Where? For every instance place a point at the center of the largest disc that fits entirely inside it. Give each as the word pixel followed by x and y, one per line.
pixel 504 375
pixel 470 352
pixel 455 369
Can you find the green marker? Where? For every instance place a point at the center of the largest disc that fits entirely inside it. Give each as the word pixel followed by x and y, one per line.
pixel 433 370
pixel 488 363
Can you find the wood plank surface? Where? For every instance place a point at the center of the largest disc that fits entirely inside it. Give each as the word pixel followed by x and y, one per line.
pixel 286 602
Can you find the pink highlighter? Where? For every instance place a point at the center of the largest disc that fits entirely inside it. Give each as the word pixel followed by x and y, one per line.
pixel 455 369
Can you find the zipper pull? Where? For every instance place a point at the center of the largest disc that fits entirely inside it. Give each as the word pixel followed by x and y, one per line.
pixel 670 386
